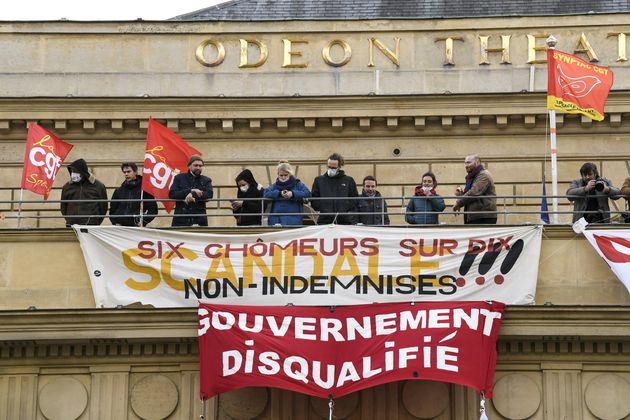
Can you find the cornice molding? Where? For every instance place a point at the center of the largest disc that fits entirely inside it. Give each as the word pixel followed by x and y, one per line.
pixel 149 324
pixel 364 113
pixel 67 235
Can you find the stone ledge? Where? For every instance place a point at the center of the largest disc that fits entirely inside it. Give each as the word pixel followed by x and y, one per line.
pixel 558 323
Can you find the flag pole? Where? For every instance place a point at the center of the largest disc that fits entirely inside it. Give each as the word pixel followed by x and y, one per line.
pixel 141 206
pixel 20 207
pixel 551 43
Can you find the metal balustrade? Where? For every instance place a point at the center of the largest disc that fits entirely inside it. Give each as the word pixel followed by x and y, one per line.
pixel 511 209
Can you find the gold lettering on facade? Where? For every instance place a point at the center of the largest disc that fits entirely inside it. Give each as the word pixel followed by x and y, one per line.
pixel 621 45
pixel 200 53
pixel 583 47
pixel 532 48
pixel 504 50
pixel 448 48
pixel 262 50
pixel 347 53
pixel 289 54
pixel 394 57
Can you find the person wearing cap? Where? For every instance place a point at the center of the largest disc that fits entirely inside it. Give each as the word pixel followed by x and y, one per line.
pixel 191 190
pixel 84 186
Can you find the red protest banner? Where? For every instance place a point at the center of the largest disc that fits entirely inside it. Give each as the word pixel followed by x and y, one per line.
pixel 166 156
pixel 44 156
pixel 324 353
pixel 575 86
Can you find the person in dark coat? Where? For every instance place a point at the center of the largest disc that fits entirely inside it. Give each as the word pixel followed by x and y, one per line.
pixel 248 210
pixel 479 196
pixel 191 190
pixel 288 194
pixel 83 186
pixel 334 188
pixel 127 213
pixel 372 207
pixel 423 208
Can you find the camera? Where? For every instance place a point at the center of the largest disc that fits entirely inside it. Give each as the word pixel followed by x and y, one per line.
pixel 600 185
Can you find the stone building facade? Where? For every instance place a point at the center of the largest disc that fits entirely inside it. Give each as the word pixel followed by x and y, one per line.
pixel 396 95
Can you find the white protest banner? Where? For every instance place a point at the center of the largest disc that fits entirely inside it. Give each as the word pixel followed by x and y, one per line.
pixel 319 265
pixel 613 245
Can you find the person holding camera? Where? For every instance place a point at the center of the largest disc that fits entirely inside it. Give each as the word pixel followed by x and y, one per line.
pixel 288 194
pixel 590 195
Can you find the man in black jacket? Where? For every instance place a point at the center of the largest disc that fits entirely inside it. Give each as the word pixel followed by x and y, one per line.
pixel 127 213
pixel 333 189
pixel 83 186
pixel 192 190
pixel 372 207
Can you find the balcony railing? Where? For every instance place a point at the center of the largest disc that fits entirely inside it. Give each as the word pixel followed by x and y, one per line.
pixel 511 209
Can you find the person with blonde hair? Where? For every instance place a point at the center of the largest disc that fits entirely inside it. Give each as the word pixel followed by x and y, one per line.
pixel 288 195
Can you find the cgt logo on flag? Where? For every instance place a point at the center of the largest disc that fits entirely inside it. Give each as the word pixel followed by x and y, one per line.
pixel 575 86
pixel 613 245
pixel 44 156
pixel 166 156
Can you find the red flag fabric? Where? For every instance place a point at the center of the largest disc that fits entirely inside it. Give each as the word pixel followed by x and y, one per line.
pixel 44 156
pixel 323 352
pixel 166 156
pixel 575 86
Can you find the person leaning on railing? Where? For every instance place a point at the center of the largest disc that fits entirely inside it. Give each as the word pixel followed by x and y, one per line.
pixel 248 209
pixel 426 203
pixel 127 213
pixel 288 194
pixel 83 186
pixel 590 195
pixel 371 206
pixel 191 190
pixel 333 188
pixel 478 197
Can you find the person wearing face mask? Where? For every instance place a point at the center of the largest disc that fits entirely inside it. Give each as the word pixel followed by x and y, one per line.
pixel 334 188
pixel 248 209
pixel 372 207
pixel 191 190
pixel 127 213
pixel 426 203
pixel 83 186
pixel 288 194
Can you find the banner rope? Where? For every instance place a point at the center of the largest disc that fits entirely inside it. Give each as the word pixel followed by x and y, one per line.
pixel 202 416
pixel 331 405
pixel 482 407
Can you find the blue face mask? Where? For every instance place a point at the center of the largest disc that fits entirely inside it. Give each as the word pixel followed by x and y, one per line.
pixel 331 172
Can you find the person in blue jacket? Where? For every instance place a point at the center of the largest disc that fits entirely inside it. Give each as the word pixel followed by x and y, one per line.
pixel 424 207
pixel 288 194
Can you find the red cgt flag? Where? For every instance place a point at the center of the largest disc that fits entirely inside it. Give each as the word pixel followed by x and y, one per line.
pixel 166 156
pixel 575 86
pixel 44 156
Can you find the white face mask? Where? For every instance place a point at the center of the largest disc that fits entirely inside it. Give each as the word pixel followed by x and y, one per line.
pixel 331 172
pixel 244 188
pixel 75 177
pixel 426 189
